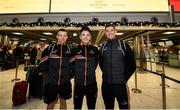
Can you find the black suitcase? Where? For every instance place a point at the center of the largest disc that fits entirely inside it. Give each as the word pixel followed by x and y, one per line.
pixel 35 79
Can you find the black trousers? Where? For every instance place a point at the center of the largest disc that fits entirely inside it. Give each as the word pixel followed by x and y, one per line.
pixel 90 91
pixel 118 91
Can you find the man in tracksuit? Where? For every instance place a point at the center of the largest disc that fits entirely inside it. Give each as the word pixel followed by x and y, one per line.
pixel 85 60
pixel 117 63
pixel 55 62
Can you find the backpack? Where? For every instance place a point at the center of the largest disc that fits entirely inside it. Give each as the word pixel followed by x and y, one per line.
pixel 51 48
pixel 122 48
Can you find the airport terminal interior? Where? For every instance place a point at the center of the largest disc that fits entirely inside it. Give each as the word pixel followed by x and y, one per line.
pixel 152 33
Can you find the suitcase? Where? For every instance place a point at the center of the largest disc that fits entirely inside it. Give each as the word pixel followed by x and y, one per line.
pixel 19 93
pixel 35 80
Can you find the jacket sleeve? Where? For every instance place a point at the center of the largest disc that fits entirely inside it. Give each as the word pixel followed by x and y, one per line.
pixel 96 56
pixel 100 58
pixel 130 62
pixel 44 64
pixel 72 62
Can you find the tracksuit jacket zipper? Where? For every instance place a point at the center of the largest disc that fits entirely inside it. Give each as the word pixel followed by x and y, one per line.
pixel 85 66
pixel 111 62
pixel 60 65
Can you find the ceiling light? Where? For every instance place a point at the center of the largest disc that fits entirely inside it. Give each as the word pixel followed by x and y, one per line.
pixel 169 32
pixel 47 33
pixel 74 34
pixel 43 39
pixel 119 33
pixel 14 39
pixel 164 39
pixel 17 33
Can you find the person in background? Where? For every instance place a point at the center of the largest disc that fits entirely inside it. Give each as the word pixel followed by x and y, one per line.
pixel 1 58
pixel 33 54
pixel 117 63
pixel 17 52
pixel 55 63
pixel 85 60
pixel 40 50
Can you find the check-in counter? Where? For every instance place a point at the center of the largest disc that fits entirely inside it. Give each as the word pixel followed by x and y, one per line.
pixel 173 60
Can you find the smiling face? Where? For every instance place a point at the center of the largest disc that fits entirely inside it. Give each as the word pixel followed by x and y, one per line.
pixel 85 36
pixel 62 37
pixel 110 32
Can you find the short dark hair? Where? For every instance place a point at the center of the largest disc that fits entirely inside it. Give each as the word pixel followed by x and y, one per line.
pixel 85 28
pixel 110 25
pixel 64 30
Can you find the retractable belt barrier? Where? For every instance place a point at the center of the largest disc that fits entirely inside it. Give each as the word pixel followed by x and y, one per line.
pixel 17 66
pixel 163 77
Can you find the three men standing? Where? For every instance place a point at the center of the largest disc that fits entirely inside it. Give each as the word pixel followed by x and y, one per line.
pixel 115 58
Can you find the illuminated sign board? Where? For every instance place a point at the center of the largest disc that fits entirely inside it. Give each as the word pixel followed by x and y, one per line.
pixel 61 6
pixel 109 6
pixel 24 6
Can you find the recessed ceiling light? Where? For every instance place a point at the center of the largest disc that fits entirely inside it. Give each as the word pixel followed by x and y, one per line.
pixel 164 39
pixel 43 39
pixel 17 33
pixel 74 34
pixel 170 32
pixel 14 39
pixel 47 33
pixel 119 33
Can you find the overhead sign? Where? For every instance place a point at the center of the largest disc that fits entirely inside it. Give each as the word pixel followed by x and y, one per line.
pixel 24 6
pixel 60 6
pixel 109 6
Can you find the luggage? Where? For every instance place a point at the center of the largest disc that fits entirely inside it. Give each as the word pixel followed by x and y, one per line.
pixel 19 93
pixel 35 80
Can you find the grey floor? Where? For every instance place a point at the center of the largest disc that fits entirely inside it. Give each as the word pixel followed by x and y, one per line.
pixel 148 83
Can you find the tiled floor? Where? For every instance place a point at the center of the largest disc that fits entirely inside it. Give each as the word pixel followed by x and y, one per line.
pixel 148 83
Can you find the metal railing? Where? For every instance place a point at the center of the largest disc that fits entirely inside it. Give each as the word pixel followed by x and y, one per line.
pixel 163 77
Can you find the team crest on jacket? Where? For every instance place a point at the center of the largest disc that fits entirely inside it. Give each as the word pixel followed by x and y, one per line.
pixel 54 51
pixel 91 52
pixel 68 52
pixel 119 48
pixel 80 51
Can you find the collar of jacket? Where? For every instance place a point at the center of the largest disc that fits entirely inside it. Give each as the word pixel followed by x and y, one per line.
pixel 82 43
pixel 111 40
pixel 60 44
